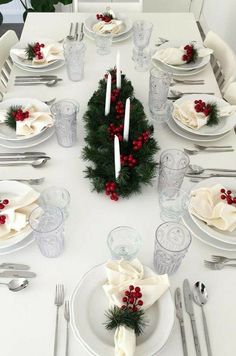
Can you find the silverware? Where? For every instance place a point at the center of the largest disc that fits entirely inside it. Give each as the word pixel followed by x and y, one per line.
pixel 195 169
pixel 203 148
pixel 59 300
pixel 210 175
pixel 81 36
pixel 200 297
pixel 67 318
pixel 188 81
pixel 217 266
pixel 15 285
pixel 195 152
pixel 189 309
pixel 26 77
pixel 48 83
pixel 76 31
pixel 49 102
pixel 14 157
pixel 222 259
pixel 36 163
pixel 70 37
pixel 175 94
pixel 32 181
pixel 179 314
pixel 161 41
pixel 19 154
pixel 17 274
pixel 6 265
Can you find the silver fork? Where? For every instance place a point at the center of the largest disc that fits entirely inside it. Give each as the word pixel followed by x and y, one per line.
pixel 203 148
pixel 59 300
pixel 217 266
pixel 32 181
pixel 195 152
pixel 222 259
pixel 67 318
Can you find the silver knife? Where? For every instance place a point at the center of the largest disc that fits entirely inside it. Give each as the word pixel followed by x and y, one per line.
pixel 17 274
pixel 189 309
pixel 13 266
pixel 179 314
pixel 18 154
pixel 210 175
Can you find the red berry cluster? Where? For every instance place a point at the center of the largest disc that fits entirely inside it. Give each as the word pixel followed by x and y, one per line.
pixel 110 188
pixel 201 106
pixel 118 131
pixel 20 115
pixel 37 50
pixel 227 195
pixel 120 109
pixel 128 160
pixel 3 203
pixel 138 144
pixel 114 95
pixel 187 57
pixel 104 17
pixel 132 299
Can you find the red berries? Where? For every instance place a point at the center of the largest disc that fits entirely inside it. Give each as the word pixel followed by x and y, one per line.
pixel 104 17
pixel 132 299
pixel 201 106
pixel 138 144
pixel 110 188
pixel 114 95
pixel 37 50
pixel 188 56
pixel 128 160
pixel 2 206
pixel 120 109
pixel 2 219
pixel 116 130
pixel 20 115
pixel 227 195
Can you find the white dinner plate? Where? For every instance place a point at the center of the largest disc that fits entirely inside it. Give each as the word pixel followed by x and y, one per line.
pixel 9 134
pixel 223 236
pixel 88 305
pixel 176 73
pixel 121 38
pixel 10 189
pixel 56 65
pixel 92 20
pixel 198 64
pixel 191 137
pixel 225 123
pixel 18 246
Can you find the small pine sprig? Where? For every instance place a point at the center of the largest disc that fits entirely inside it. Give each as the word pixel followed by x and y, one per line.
pixel 214 116
pixel 29 51
pixel 208 109
pixel 10 118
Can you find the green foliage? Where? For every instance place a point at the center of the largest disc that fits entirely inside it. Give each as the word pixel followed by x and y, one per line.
pixel 99 149
pixel 30 51
pixel 214 116
pixel 133 320
pixel 10 119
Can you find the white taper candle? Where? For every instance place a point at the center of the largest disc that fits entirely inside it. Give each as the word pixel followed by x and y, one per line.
pixel 126 121
pixel 118 71
pixel 108 95
pixel 117 156
pixel 75 5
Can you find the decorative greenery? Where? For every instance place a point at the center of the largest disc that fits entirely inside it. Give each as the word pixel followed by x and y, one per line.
pixel 214 116
pixel 10 118
pixel 133 320
pixel 99 149
pixel 30 53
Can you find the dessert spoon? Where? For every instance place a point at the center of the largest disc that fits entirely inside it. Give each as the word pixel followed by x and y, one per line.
pixel 15 285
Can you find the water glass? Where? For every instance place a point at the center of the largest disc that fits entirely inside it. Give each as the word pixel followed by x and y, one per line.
pixel 65 113
pixel 173 165
pixel 173 203
pixel 142 59
pixel 74 52
pixel 48 229
pixel 159 83
pixel 124 242
pixel 171 244
pixel 55 196
pixel 103 43
pixel 142 31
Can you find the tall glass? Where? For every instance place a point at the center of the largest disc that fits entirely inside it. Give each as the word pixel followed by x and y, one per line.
pixel 171 244
pixel 173 165
pixel 173 203
pixel 124 242
pixel 103 43
pixel 74 52
pixel 65 113
pixel 142 31
pixel 48 229
pixel 55 196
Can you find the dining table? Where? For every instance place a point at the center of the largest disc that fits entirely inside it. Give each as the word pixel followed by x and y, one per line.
pixel 28 317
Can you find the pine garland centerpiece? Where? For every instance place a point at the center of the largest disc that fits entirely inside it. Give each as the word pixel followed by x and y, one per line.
pixel 136 143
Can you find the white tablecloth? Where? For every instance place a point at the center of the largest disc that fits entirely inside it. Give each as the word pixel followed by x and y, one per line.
pixel 28 317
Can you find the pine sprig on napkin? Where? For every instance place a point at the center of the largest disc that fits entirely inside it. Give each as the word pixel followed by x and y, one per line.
pixel 29 51
pixel 10 118
pixel 214 116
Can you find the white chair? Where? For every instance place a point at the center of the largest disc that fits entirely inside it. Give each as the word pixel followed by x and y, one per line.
pixel 7 40
pixel 230 93
pixel 95 6
pixel 224 62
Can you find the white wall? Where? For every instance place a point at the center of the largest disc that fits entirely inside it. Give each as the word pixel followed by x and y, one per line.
pixel 220 17
pixel 12 12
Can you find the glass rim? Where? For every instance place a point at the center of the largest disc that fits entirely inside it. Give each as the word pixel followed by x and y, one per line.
pixel 149 23
pixel 122 227
pixel 173 149
pixel 159 70
pixel 182 226
pixel 70 101
pixel 51 207
pixel 54 188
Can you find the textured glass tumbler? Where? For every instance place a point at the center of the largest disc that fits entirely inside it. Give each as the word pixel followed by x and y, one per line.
pixel 142 31
pixel 55 196
pixel 124 242
pixel 103 43
pixel 172 168
pixel 74 52
pixel 48 230
pixel 171 244
pixel 173 203
pixel 65 113
pixel 159 83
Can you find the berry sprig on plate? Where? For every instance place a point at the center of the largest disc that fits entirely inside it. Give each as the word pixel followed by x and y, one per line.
pixel 227 196
pixel 190 54
pixel 3 217
pixel 34 51
pixel 208 109
pixel 14 114
pixel 106 17
pixel 130 314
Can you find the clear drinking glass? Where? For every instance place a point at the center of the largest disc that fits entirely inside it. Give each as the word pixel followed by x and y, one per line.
pixel 159 83
pixel 103 43
pixel 173 204
pixel 65 113
pixel 74 52
pixel 142 31
pixel 171 244
pixel 173 165
pixel 124 242
pixel 55 196
pixel 48 229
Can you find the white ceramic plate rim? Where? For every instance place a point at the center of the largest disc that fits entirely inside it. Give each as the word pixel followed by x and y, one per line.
pixel 60 63
pixel 73 322
pixel 114 39
pixel 22 244
pixel 125 19
pixel 175 73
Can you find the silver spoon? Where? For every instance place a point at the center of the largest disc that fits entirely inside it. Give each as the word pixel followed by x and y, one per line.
pixel 50 102
pixel 195 169
pixel 15 285
pixel 200 297
pixel 37 163
pixel 48 83
pixel 175 94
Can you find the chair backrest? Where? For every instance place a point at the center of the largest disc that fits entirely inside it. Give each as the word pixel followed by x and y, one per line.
pixel 230 93
pixel 224 58
pixel 121 6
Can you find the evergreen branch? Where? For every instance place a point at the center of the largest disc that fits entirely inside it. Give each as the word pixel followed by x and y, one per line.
pixel 29 51
pixel 10 119
pixel 213 118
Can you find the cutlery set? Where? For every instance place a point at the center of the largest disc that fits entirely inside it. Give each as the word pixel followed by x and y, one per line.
pixel 76 36
pixel 48 80
pixel 35 159
pixel 200 297
pixel 219 262
pixel 17 271
pixel 176 94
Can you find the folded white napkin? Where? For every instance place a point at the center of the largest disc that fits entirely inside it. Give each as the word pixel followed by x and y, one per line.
pixel 34 124
pixel 186 113
pixel 51 52
pixel 17 213
pixel 174 56
pixel 207 205
pixel 114 27
pixel 121 274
